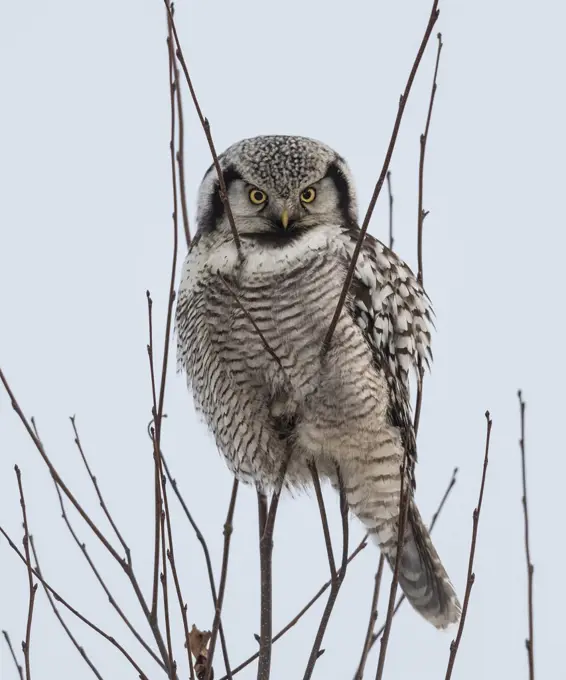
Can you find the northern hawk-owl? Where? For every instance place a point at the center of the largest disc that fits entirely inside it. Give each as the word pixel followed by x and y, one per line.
pixel 294 205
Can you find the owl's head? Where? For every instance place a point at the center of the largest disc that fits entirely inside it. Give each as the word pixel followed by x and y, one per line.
pixel 278 187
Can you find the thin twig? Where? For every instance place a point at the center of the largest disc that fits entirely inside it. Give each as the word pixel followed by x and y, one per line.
pixel 377 190
pixel 206 127
pixel 173 565
pixel 266 521
pixel 204 545
pixel 471 576
pixel 404 502
pixel 156 474
pixel 314 599
pixel 324 518
pixel 61 620
pixel 32 585
pixel 529 642
pixel 336 581
pixel 228 528
pixel 128 568
pixel 82 547
pixel 390 194
pixel 74 611
pixel 94 481
pixel 372 619
pixel 423 141
pixel 172 663
pixel 14 657
pixel 181 140
pixel 420 223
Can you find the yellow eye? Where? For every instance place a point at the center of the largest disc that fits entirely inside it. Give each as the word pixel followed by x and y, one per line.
pixel 308 195
pixel 257 196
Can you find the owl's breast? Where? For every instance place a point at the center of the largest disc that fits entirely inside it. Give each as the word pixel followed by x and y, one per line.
pixel 278 304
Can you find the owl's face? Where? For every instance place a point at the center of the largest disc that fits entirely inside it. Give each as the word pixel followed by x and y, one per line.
pixel 278 188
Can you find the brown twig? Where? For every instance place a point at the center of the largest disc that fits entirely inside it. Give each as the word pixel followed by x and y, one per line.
pixel 156 474
pixel 420 223
pixel 471 576
pixel 390 194
pixel 204 545
pixel 99 578
pixel 73 611
pixel 377 190
pixel 372 619
pixel 61 620
pixel 173 565
pixel 266 522
pixel 128 568
pixel 423 140
pixel 324 518
pixel 181 139
pixel 314 599
pixel 13 654
pixel 32 585
pixel 337 578
pixel 404 502
pixel 228 528
pixel 206 127
pixel 97 489
pixel 172 666
pixel 529 642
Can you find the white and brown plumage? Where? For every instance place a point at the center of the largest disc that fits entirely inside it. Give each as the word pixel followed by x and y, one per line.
pixel 294 205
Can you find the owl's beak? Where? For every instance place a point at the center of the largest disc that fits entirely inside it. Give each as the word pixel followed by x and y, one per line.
pixel 285 218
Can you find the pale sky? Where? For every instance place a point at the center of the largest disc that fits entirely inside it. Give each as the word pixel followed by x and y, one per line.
pixel 85 229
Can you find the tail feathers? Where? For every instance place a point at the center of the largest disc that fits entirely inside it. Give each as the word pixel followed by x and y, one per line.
pixel 422 577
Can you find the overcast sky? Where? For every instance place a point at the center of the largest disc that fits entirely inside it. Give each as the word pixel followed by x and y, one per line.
pixel 85 229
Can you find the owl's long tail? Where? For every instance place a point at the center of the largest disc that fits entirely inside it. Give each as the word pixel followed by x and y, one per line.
pixel 422 577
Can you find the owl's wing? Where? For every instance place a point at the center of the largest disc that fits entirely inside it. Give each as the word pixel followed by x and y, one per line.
pixel 395 314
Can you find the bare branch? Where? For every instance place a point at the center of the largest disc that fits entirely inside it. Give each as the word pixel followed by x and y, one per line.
pixel 74 611
pixel 181 140
pixel 173 564
pixel 372 619
pixel 529 642
pixel 390 195
pixel 205 550
pixel 423 140
pixel 337 579
pixel 228 528
pixel 82 547
pixel 206 127
pixel 172 666
pixel 266 521
pixel 404 501
pixel 97 489
pixel 324 518
pixel 471 576
pixel 361 545
pixel 13 654
pixel 55 474
pixel 402 103
pixel 128 568
pixel 65 627
pixel 32 585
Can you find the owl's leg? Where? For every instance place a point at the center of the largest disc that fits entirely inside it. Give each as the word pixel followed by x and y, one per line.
pixel 372 486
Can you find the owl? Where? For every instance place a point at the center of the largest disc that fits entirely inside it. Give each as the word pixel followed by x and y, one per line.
pixel 250 330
